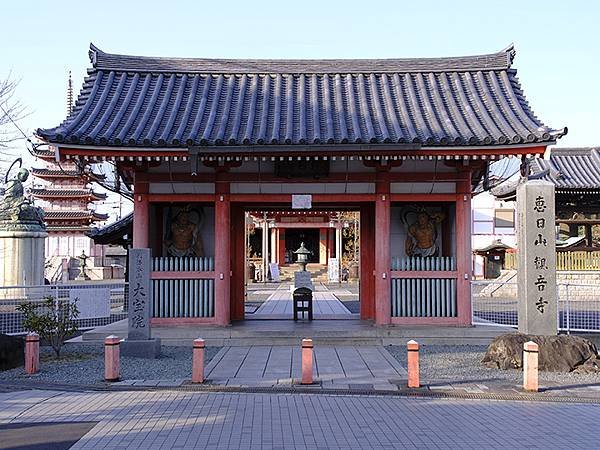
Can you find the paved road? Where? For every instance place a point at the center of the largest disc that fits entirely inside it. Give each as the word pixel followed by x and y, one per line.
pixel 175 419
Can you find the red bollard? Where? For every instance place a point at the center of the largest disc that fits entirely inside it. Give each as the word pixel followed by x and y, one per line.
pixel 112 365
pixel 198 361
pixel 530 366
pixel 32 353
pixel 307 361
pixel 413 364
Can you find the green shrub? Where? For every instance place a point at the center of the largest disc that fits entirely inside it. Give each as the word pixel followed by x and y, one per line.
pixel 53 320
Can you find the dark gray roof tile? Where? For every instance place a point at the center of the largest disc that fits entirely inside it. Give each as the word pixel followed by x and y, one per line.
pixel 178 102
pixel 570 168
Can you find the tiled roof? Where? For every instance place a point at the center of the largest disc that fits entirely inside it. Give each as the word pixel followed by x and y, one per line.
pixel 79 215
pixel 45 154
pixel 55 173
pixel 132 101
pixel 570 168
pixel 68 193
pixel 113 233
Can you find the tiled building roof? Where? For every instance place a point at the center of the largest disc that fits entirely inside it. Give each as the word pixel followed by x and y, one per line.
pixel 132 101
pixel 569 168
pixel 118 232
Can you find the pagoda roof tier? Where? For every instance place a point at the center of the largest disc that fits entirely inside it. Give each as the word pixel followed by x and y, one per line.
pixel 68 194
pixel 64 173
pixel 153 103
pixel 44 154
pixel 50 173
pixel 91 216
pixel 76 228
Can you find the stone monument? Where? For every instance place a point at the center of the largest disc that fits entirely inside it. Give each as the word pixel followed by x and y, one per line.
pixel 139 342
pixel 22 234
pixel 537 258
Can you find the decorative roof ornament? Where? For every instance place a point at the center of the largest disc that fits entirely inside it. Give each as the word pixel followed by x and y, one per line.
pixel 69 95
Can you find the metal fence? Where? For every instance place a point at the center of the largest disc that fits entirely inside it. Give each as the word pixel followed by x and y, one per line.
pixel 496 303
pixel 98 304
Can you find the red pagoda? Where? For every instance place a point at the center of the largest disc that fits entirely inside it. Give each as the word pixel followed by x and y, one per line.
pixel 66 196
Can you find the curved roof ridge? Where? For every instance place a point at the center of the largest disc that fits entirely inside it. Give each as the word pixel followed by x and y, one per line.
pixel 101 60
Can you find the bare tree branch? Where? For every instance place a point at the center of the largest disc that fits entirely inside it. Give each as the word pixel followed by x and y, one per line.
pixel 11 111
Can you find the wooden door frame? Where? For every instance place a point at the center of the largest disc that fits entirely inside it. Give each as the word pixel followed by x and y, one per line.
pixel 367 250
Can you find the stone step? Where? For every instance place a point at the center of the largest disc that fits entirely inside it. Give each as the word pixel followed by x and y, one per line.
pixel 326 332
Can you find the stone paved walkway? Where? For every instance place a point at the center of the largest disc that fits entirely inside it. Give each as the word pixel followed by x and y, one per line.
pixel 279 305
pixel 169 419
pixel 337 367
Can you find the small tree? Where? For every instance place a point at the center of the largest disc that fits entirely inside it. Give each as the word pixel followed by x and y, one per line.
pixel 53 320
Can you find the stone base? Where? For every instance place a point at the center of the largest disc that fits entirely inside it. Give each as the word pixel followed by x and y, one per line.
pixel 149 348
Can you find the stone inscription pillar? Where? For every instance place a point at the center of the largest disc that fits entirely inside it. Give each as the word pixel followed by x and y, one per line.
pixel 537 258
pixel 139 342
pixel 140 294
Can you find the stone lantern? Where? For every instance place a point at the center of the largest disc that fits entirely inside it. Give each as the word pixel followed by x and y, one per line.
pixel 302 253
pixel 83 258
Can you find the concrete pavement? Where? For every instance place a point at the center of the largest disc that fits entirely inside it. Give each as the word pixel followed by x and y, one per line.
pixel 171 419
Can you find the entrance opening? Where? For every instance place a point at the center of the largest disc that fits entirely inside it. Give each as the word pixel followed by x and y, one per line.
pixel 294 238
pixel 331 239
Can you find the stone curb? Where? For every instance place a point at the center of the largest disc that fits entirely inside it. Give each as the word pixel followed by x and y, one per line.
pixel 423 392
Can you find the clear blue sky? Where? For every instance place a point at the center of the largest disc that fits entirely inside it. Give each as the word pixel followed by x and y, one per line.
pixel 557 42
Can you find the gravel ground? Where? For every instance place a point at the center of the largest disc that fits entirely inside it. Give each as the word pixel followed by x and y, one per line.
pixel 463 363
pixel 84 364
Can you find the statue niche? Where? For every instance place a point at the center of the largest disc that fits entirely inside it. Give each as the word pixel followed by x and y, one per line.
pixel 422 232
pixel 183 233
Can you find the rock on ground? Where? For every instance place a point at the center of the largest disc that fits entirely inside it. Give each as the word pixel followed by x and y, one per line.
pixel 563 353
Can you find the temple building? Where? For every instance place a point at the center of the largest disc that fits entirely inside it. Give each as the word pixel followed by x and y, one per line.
pixel 66 198
pixel 207 143
pixel 575 173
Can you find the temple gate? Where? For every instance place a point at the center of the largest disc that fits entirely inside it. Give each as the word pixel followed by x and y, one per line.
pixel 402 141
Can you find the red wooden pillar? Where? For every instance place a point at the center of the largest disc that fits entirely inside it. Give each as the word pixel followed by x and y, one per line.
pixel 367 261
pixel 332 243
pixel 281 246
pixel 464 266
pixel 222 255
pixel 238 262
pixel 141 213
pixel 322 245
pixel 383 305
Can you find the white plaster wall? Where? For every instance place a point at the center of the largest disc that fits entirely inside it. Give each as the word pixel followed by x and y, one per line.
pixel 70 244
pixel 483 205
